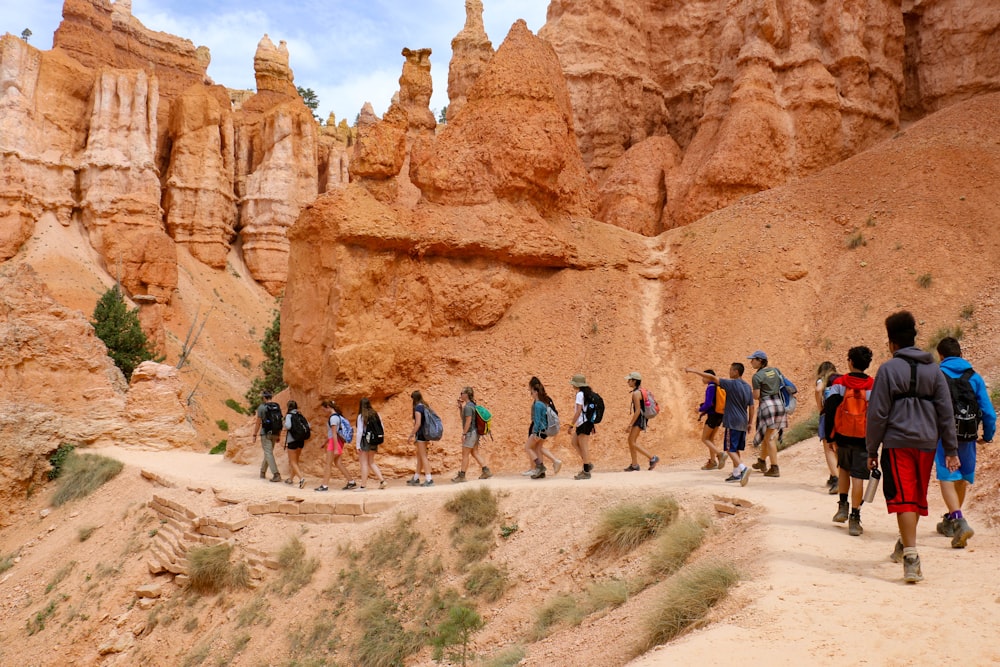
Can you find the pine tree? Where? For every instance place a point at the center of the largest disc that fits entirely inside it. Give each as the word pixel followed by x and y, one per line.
pixel 272 368
pixel 121 332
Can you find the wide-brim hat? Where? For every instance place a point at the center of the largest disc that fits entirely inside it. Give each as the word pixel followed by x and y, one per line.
pixel 634 376
pixel 579 381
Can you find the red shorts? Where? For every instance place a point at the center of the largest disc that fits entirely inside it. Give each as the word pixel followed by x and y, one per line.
pixel 335 445
pixel 906 473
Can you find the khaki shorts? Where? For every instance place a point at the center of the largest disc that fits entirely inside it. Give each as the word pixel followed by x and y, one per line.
pixel 470 439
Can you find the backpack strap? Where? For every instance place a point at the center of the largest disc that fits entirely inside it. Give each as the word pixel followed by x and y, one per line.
pixel 912 391
pixel 967 375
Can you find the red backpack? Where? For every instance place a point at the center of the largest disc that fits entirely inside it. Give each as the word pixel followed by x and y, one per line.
pixel 851 419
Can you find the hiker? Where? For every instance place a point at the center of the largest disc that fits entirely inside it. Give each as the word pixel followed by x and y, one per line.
pixel 909 411
pixel 335 447
pixel 583 424
pixel 844 434
pixel 268 431
pixel 293 446
pixel 825 375
pixel 713 420
pixel 419 436
pixel 535 445
pixel 969 399
pixel 736 417
pixel 369 435
pixel 470 435
pixel 771 414
pixel 637 424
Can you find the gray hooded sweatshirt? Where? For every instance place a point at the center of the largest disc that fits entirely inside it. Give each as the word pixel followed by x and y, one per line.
pixel 897 420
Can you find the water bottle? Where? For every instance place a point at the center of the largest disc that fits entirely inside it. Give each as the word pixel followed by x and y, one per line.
pixel 872 487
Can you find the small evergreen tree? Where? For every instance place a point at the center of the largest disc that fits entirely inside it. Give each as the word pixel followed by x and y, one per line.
pixel 26 34
pixel 272 368
pixel 456 630
pixel 121 332
pixel 443 116
pixel 310 99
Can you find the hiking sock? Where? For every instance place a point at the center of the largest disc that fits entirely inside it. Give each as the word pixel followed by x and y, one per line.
pixel 843 497
pixel 538 463
pixel 909 551
pixel 856 512
pixel 957 514
pixel 428 475
pixel 588 467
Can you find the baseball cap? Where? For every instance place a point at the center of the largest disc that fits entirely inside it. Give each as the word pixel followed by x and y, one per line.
pixel 759 354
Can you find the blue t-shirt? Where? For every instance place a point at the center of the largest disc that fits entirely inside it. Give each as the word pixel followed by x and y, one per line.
pixel 739 396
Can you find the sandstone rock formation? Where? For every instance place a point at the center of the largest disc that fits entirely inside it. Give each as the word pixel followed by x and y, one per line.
pixel 514 139
pixel 471 50
pixel 634 193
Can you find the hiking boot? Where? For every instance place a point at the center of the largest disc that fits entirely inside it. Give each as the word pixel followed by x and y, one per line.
pixel 556 466
pixel 539 473
pixel 710 465
pixel 963 531
pixel 733 478
pixel 832 485
pixel 744 476
pixel 773 472
pixel 276 478
pixel 722 460
pixel 486 474
pixel 843 511
pixel 583 474
pixel 263 473
pixel 429 482
pixel 413 481
pixel 946 526
pixel 854 525
pixel 459 478
pixel 761 465
pixel 897 552
pixel 653 461
pixel 911 569
pixel 632 468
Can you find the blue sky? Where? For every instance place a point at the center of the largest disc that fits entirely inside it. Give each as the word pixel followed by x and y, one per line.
pixel 348 51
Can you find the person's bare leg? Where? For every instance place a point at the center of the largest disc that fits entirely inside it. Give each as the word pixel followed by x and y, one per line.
pixel 831 459
pixel 857 492
pixel 634 448
pixel 475 454
pixel 293 463
pixel 465 458
pixel 961 487
pixel 423 461
pixel 583 446
pixel 907 522
pixel 364 469
pixel 341 467
pixel 950 495
pixel 327 465
pixel 707 437
pixel 529 449
pixel 771 445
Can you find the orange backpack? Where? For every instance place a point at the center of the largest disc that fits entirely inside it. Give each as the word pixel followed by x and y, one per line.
pixel 851 419
pixel 720 400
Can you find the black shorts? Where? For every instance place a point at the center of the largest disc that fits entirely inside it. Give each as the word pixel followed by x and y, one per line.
pixel 586 428
pixel 714 420
pixel 295 444
pixel 854 460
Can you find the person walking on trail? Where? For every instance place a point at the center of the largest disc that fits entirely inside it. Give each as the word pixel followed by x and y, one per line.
pixel 419 436
pixel 713 420
pixel 535 445
pixel 470 435
pixel 736 417
pixel 334 448
pixel 972 405
pixel 637 424
pixel 825 375
pixel 771 414
pixel 844 434
pixel 268 432
pixel 909 411
pixel 369 425
pixel 293 446
pixel 582 426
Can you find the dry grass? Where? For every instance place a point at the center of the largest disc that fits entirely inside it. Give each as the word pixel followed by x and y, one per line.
pixel 385 643
pixel 608 593
pixel 389 544
pixel 562 610
pixel 296 569
pixel 85 532
pixel 624 527
pixel 474 507
pixel 211 571
pixel 676 543
pixel 474 546
pixel 7 562
pixel 488 581
pixel 955 332
pixel 687 603
pixel 508 657
pixel 802 430
pixel 82 474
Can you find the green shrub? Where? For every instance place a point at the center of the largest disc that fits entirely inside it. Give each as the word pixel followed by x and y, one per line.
pixel 688 601
pixel 236 407
pixel 222 424
pixel 488 581
pixel 474 507
pixel 58 459
pixel 456 630
pixel 624 527
pixel 82 474
pixel 272 368
pixel 219 448
pixel 119 329
pixel 673 547
pixel 799 431
pixel 384 642
pixel 211 571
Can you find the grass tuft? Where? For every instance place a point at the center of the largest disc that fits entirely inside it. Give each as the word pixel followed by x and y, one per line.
pixel 607 593
pixel 856 240
pixel 508 657
pixel 82 474
pixel 211 571
pixel 488 581
pixel 955 332
pixel 385 643
pixel 562 610
pixel 390 543
pixel 85 532
pixel 474 507
pixel 799 431
pixel 687 603
pixel 7 562
pixel 296 569
pixel 624 527
pixel 924 280
pixel 676 543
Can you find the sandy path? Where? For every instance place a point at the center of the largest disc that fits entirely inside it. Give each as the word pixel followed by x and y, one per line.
pixel 823 598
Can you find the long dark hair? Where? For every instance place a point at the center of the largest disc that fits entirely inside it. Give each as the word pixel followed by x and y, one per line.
pixel 418 398
pixel 588 394
pixel 366 410
pixel 543 395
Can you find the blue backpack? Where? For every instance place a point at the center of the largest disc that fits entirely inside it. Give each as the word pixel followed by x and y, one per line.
pixel 787 392
pixel 344 429
pixel 432 426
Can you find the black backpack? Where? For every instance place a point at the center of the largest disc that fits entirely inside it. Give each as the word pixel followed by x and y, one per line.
pixel 374 435
pixel 300 429
pixel 963 400
pixel 593 412
pixel 272 419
